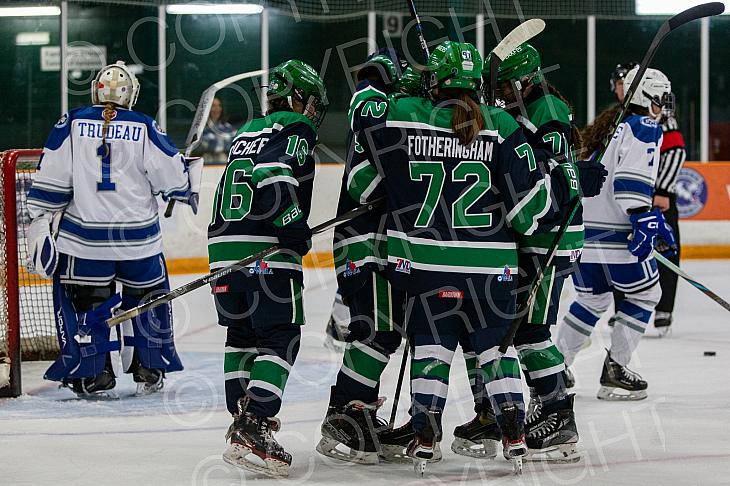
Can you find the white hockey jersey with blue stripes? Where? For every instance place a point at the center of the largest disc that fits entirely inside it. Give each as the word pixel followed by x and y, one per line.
pixel 632 160
pixel 108 197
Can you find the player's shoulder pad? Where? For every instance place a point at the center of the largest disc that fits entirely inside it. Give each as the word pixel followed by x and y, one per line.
pixel 546 109
pixel 411 108
pixel 277 121
pixel 155 133
pixel 61 130
pixel 644 128
pixel 497 119
pixel 364 93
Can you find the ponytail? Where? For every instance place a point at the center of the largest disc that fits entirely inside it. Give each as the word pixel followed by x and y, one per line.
pixel 467 119
pixel 107 114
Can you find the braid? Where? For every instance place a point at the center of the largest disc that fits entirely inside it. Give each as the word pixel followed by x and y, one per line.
pixel 576 138
pixel 107 115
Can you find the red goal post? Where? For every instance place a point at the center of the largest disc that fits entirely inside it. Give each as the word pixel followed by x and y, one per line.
pixel 27 329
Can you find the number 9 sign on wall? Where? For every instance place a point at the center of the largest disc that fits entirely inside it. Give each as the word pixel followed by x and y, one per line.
pixel 703 191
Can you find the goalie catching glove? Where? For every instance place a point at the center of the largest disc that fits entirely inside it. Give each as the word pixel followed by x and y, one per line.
pixel 43 256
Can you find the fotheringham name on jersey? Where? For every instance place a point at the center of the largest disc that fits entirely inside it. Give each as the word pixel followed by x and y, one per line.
pixel 449 146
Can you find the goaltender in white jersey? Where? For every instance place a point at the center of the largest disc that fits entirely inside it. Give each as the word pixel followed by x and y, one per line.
pixel 107 189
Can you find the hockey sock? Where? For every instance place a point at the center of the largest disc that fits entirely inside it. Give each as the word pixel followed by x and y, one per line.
pixel 278 347
pixel 544 369
pixel 632 318
pixel 430 368
pixel 476 381
pixel 503 381
pixel 579 322
pixel 359 375
pixel 237 364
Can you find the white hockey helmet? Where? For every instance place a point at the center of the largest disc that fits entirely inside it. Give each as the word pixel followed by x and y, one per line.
pixel 116 84
pixel 654 88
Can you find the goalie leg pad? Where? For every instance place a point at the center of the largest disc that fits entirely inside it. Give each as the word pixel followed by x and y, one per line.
pixel 81 356
pixel 149 337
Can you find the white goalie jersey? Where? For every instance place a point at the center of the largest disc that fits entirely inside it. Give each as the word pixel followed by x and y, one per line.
pixel 108 196
pixel 631 159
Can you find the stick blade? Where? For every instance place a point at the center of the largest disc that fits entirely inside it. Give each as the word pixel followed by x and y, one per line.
pixel 697 12
pixel 519 35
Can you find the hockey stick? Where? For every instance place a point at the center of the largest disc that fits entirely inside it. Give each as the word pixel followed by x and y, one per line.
pixel 692 281
pixel 694 13
pixel 235 267
pixel 518 36
pixel 201 117
pixel 406 351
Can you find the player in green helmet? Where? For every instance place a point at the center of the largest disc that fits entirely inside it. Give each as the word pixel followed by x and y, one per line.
pixel 546 120
pixel 263 199
pixel 457 195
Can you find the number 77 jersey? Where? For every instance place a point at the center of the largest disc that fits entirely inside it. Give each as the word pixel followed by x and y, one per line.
pixel 455 211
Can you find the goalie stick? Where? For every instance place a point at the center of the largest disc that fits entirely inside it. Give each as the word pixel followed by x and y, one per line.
pixel 694 13
pixel 235 267
pixel 692 281
pixel 201 117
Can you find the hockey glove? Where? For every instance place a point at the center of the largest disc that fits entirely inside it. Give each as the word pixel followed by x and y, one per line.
pixel 592 176
pixel 564 181
pixel 41 247
pixel 97 317
pixel 645 227
pixel 666 244
pixel 295 239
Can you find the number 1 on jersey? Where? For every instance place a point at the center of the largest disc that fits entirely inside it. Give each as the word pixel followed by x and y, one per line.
pixel 104 152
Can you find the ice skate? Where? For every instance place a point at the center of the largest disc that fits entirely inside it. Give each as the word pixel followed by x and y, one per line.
pixel 663 323
pixel 479 437
pixel 99 387
pixel 422 449
pixel 148 380
pixel 349 433
pixel 618 383
pixel 252 446
pixel 551 434
pixel 514 447
pixel 394 442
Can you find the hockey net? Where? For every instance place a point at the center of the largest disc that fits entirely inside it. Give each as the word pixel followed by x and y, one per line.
pixel 27 329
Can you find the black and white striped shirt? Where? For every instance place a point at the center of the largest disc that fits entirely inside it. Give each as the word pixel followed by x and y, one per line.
pixel 672 156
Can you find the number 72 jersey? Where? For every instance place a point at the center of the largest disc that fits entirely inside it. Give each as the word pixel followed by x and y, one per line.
pixel 107 191
pixel 455 211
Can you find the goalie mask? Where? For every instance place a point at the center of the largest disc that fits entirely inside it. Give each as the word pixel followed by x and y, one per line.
pixel 116 84
pixel 654 88
pixel 297 80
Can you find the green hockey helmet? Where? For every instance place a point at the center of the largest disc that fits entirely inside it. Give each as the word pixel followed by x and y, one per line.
pixel 387 62
pixel 455 65
pixel 297 80
pixel 523 62
pixel 411 82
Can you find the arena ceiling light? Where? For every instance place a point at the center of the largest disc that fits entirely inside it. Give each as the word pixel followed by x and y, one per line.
pixel 214 8
pixel 667 7
pixel 29 11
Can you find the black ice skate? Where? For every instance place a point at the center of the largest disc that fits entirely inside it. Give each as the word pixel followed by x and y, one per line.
pixel 97 387
pixel 422 449
pixel 618 383
pixel 349 432
pixel 148 380
pixel 514 447
pixel 479 437
pixel 252 446
pixel 394 442
pixel 551 434
pixel 663 323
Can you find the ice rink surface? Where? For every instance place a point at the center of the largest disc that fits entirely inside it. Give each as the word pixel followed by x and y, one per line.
pixel 679 435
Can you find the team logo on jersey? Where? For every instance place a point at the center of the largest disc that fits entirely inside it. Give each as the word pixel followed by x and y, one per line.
pixel 350 269
pixel 691 191
pixel 62 121
pixel 506 275
pixel 575 255
pixel 260 268
pixel 402 265
pixel 157 127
